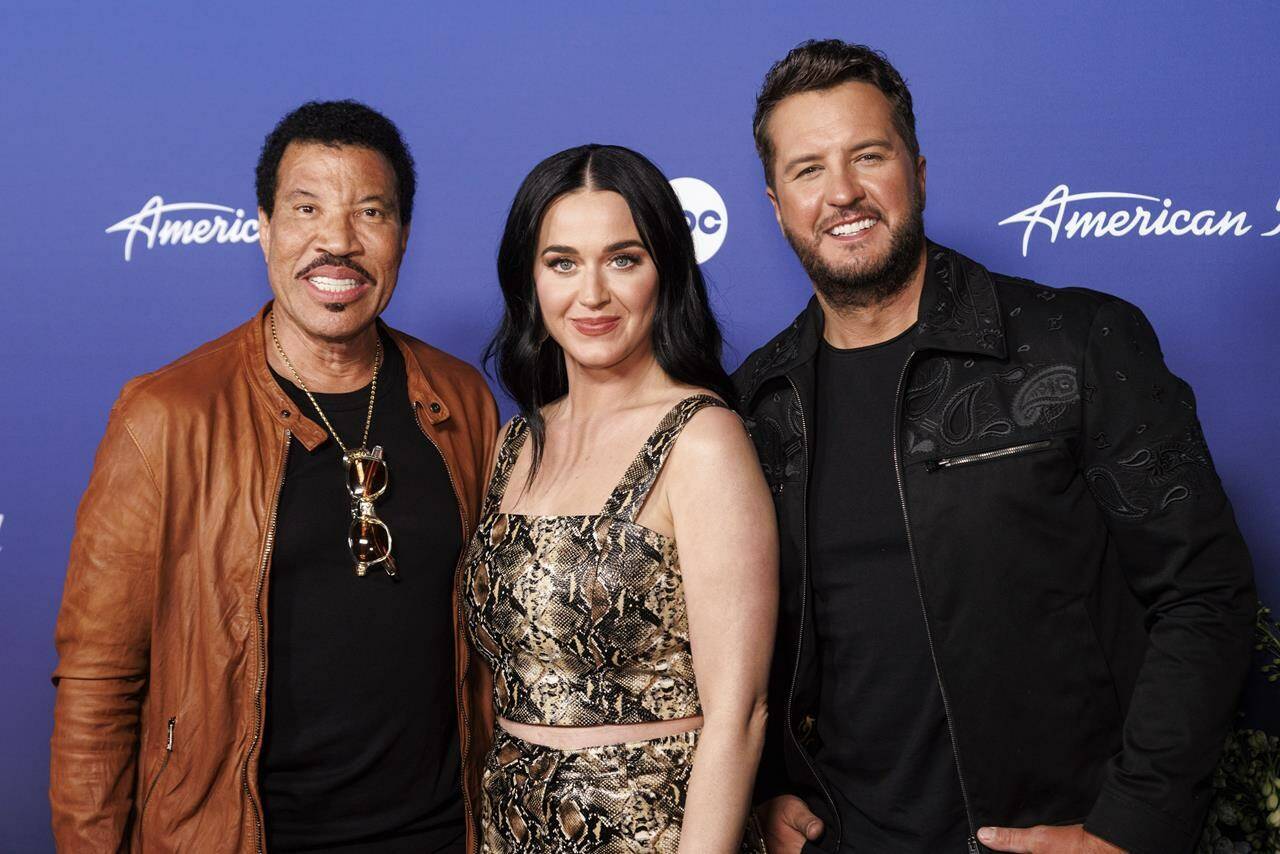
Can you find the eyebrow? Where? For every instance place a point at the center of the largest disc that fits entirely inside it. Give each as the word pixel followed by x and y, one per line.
pixel 376 197
pixel 612 247
pixel 806 158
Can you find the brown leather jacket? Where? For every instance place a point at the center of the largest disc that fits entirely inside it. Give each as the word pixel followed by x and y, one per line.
pixel 162 634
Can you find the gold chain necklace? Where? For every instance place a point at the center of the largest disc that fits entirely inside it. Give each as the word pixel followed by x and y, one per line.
pixel 368 538
pixel 373 389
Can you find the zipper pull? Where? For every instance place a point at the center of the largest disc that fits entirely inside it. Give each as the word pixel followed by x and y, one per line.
pixel 168 745
pixel 973 845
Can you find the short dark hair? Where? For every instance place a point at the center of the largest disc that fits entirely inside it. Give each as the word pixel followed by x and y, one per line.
pixel 686 337
pixel 816 65
pixel 337 123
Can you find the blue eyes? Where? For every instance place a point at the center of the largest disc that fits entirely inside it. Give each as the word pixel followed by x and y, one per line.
pixel 618 262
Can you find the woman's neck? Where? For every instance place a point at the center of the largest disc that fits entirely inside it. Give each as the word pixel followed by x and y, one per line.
pixel 595 392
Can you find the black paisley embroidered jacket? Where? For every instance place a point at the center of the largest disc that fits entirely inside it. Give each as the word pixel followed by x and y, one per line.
pixel 1087 594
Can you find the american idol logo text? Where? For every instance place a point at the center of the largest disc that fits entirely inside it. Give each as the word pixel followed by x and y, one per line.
pixel 1109 214
pixel 158 224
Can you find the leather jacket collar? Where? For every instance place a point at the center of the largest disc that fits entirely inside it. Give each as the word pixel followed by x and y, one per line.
pixel 305 430
pixel 958 313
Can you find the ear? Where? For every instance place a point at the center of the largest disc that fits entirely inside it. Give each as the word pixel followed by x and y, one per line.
pixel 777 211
pixel 264 232
pixel 404 239
pixel 921 173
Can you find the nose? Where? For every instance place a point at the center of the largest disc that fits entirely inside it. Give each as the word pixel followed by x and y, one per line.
pixel 337 235
pixel 593 291
pixel 843 187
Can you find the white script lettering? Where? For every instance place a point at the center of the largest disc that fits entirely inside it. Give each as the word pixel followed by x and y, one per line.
pixel 1273 232
pixel 1165 219
pixel 151 221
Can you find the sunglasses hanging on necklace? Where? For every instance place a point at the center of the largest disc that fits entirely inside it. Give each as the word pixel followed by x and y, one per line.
pixel 369 538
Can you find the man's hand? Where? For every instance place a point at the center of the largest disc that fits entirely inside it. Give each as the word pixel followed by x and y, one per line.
pixel 787 824
pixel 1044 839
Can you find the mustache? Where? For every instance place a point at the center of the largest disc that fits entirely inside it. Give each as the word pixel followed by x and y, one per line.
pixel 327 260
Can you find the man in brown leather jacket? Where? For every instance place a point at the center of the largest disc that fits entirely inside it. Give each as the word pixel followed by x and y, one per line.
pixel 255 631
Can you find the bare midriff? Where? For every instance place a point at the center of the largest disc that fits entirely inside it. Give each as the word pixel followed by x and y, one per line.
pixel 578 737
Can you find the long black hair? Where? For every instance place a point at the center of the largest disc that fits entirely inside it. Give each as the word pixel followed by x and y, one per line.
pixel 686 337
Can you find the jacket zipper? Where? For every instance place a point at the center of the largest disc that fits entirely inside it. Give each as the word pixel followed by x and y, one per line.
pixel 466 659
pixel 983 456
pixel 262 643
pixel 804 600
pixel 911 549
pixel 164 763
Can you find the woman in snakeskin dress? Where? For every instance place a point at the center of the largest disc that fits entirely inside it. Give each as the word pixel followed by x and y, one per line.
pixel 629 676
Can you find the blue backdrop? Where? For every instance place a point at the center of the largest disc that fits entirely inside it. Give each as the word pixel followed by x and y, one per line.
pixel 110 105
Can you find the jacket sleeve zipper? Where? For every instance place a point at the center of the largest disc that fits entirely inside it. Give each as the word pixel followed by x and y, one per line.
pixel 972 841
pixel 259 687
pixel 804 600
pixel 164 763
pixel 983 456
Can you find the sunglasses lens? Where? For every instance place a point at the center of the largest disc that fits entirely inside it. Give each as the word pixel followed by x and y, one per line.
pixel 369 539
pixel 366 477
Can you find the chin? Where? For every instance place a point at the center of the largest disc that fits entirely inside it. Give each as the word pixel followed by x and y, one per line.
pixel 338 325
pixel 603 359
pixel 859 253
pixel 594 361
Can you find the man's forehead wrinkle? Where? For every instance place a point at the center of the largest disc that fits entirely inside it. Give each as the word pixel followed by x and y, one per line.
pixel 334 176
pixel 824 119
pixel 816 140
pixel 838 130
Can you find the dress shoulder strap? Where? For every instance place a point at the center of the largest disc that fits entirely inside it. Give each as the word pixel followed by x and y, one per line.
pixel 629 495
pixel 517 432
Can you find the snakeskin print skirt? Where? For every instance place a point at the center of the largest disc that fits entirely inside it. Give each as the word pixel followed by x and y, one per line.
pixel 614 799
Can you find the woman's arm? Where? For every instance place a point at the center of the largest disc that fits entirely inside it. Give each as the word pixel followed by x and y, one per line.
pixel 724 524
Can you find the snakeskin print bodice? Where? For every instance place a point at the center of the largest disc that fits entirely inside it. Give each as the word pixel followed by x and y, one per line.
pixel 582 618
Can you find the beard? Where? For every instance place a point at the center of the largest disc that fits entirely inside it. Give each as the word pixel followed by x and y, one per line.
pixel 869 282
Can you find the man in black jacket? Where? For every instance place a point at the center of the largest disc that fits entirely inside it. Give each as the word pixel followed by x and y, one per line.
pixel 1016 609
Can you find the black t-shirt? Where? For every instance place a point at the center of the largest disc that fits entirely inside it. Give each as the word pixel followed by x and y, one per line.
pixel 883 744
pixel 360 743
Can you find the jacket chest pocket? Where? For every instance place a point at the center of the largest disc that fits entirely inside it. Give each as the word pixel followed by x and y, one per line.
pixel 1005 452
pixel 1014 472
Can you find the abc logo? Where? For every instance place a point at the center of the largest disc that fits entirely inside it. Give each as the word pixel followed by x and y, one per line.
pixel 705 213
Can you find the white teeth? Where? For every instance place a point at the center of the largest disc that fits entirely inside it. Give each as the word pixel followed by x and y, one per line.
pixel 852 227
pixel 324 283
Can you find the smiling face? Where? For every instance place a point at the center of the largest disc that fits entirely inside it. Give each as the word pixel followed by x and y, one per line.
pixel 597 287
pixel 335 241
pixel 847 192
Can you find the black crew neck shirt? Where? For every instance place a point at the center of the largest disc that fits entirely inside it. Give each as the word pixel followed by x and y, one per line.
pixel 883 744
pixel 360 742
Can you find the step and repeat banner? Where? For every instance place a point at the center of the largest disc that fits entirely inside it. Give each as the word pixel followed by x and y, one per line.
pixel 1129 150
